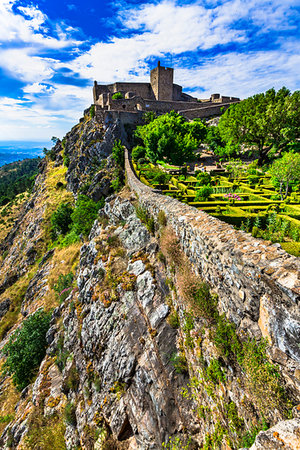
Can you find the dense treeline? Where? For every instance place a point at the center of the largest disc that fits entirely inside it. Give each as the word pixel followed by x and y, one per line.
pixel 17 177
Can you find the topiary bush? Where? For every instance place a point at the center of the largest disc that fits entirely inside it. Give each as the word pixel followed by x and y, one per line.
pixel 26 349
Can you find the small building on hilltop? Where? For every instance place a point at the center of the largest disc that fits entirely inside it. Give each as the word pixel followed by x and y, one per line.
pixel 161 95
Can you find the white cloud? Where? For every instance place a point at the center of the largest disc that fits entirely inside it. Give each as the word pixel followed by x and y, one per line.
pixel 22 64
pixel 242 75
pixel 29 27
pixel 38 88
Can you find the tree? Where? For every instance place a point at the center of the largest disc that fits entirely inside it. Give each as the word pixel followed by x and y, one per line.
pixel 263 122
pixel 26 349
pixel 284 171
pixel 171 137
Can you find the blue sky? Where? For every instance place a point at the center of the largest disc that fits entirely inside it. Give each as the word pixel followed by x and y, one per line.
pixel 51 51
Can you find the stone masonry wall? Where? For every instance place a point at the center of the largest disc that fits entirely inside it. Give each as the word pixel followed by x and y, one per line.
pixel 257 282
pixel 205 111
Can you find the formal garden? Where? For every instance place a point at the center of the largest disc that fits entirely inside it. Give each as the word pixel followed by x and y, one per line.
pixel 259 195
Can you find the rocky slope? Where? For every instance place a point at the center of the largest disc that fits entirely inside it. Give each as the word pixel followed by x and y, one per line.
pixel 130 362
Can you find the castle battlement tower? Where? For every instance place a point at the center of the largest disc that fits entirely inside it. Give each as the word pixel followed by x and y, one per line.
pixel 161 79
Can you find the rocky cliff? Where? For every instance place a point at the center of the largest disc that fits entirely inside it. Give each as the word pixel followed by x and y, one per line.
pixel 148 350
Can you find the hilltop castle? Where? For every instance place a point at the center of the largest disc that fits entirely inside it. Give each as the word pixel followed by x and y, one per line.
pixel 161 95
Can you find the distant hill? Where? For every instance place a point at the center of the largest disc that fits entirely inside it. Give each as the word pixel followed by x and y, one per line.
pixel 16 178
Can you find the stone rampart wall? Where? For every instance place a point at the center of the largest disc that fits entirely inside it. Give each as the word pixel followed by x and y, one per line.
pixel 205 110
pixel 257 282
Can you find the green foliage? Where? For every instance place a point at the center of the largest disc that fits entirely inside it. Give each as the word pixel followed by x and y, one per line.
pixel 264 121
pixel 146 218
pixel 26 349
pixel 214 372
pixel 61 354
pixel 61 221
pixel 170 137
pixel 203 193
pixel 284 171
pixel 155 175
pixel 84 214
pixel 117 96
pixel 173 319
pixel 225 337
pixel 179 362
pixel 213 139
pixel 92 111
pixel 72 380
pixel 204 178
pixel 17 177
pixel 64 285
pixel 138 152
pixel 118 153
pixel 204 303
pixel 70 414
pixel 293 248
pixel 236 423
pixel 149 116
pixel 249 437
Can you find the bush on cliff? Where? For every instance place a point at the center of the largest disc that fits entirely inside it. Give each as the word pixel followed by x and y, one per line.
pixel 26 349
pixel 84 214
pixel 61 221
pixel 118 153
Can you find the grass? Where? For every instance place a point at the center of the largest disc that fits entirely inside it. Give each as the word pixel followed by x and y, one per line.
pixel 16 294
pixel 10 212
pixel 9 397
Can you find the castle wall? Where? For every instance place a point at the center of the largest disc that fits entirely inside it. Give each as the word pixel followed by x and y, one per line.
pixel 205 111
pixel 257 282
pixel 143 90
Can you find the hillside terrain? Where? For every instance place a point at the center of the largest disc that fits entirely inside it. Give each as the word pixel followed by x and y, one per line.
pixel 125 326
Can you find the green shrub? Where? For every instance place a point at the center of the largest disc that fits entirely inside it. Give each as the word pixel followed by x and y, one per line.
pixel 61 220
pixel 118 153
pixel 26 349
pixel 179 362
pixel 138 152
pixel 173 319
pixel 117 96
pixel 84 214
pixel 70 414
pixel 203 178
pixel 203 302
pixel 146 218
pixel 72 381
pixel 63 286
pixel 214 372
pixel 92 111
pixel 203 193
pixel 255 231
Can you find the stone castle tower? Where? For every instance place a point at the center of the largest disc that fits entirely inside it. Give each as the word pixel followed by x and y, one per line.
pixel 161 79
